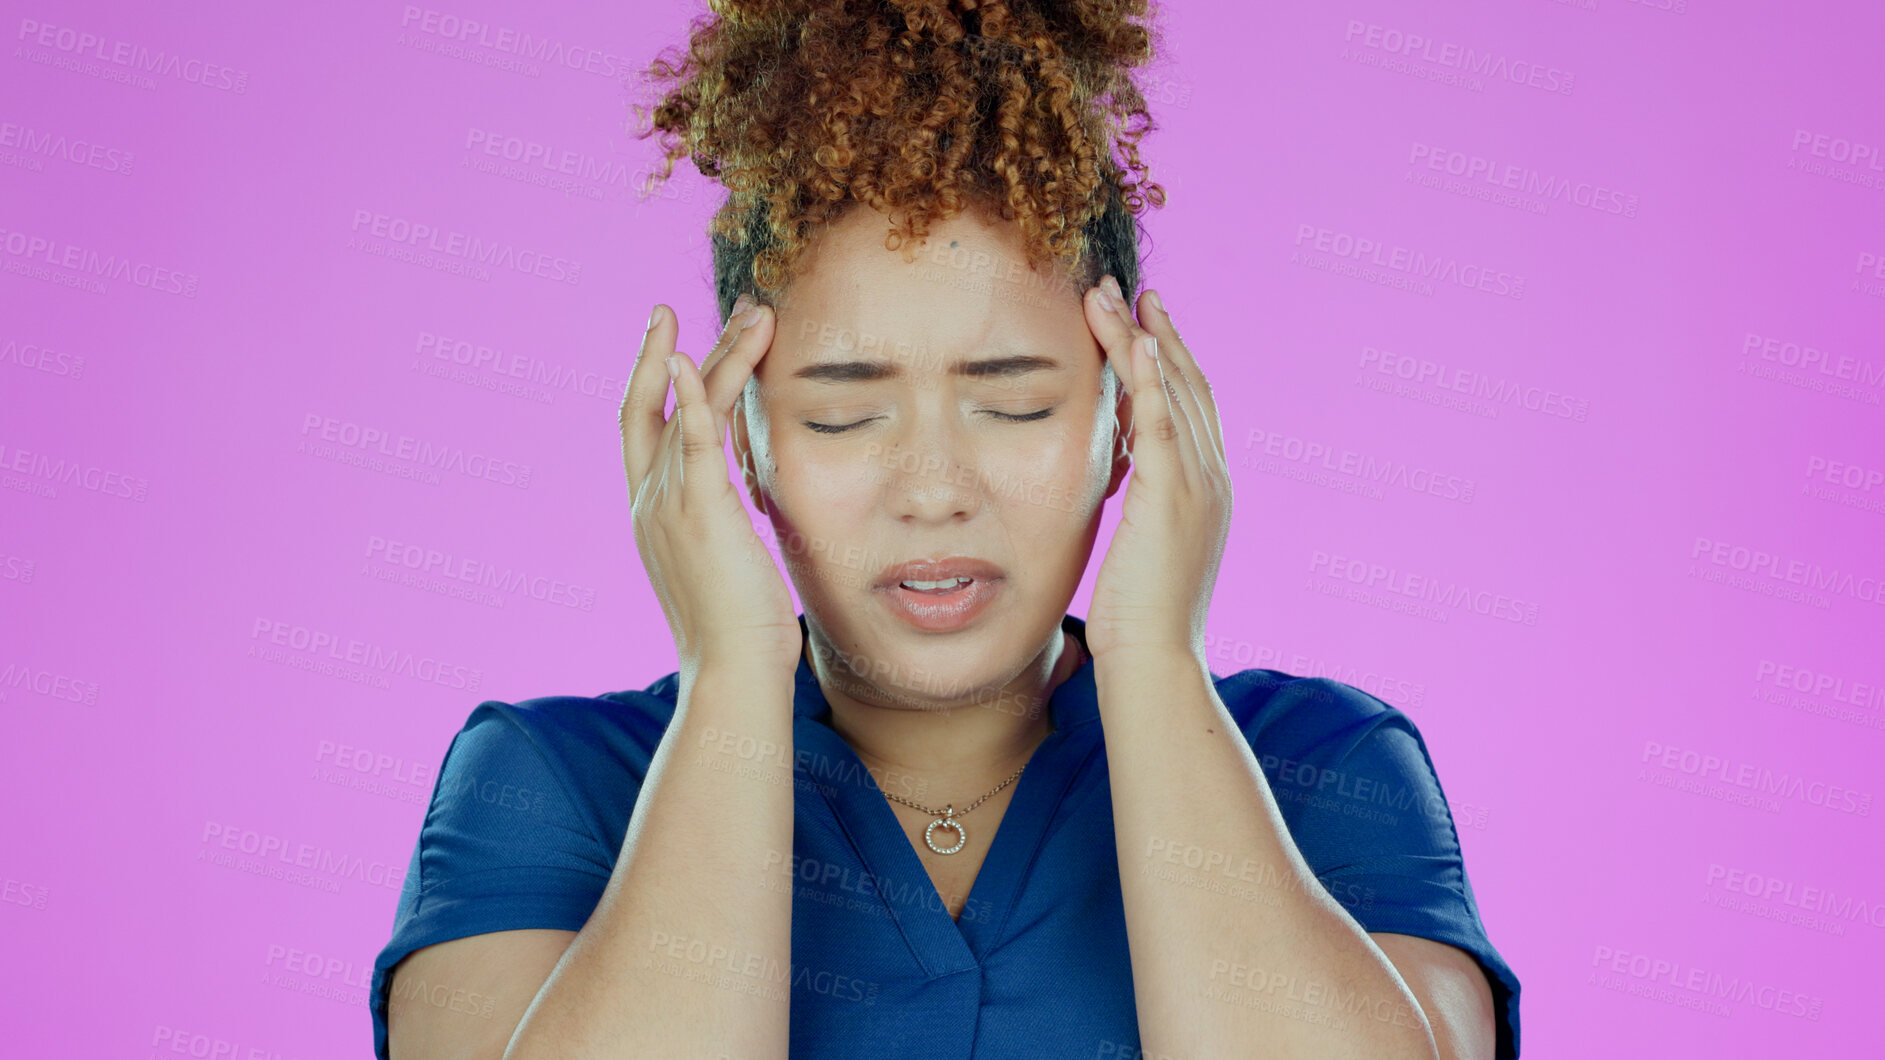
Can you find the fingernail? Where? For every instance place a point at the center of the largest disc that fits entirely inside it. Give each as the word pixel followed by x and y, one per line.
pixel 1105 298
pixel 674 371
pixel 1151 346
pixel 749 318
pixel 1112 287
pixel 654 316
pixel 1157 302
pixel 741 302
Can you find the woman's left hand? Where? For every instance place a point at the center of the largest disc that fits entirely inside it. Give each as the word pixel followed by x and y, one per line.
pixel 1154 587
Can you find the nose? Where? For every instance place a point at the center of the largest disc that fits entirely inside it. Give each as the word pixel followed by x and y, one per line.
pixel 932 476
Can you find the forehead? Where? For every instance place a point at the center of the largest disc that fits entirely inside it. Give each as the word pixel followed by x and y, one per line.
pixel 966 292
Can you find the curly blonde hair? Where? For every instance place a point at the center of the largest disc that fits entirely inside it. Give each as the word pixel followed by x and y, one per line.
pixel 804 109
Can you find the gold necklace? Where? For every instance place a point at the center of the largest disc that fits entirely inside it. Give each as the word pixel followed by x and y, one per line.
pixel 947 816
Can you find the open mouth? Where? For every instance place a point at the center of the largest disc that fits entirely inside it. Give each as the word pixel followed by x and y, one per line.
pixel 938 588
pixel 940 595
pixel 942 605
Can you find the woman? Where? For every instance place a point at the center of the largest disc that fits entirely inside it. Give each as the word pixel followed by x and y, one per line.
pixel 934 814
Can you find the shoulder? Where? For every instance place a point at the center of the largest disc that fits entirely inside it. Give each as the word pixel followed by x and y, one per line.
pixel 586 753
pixel 556 726
pixel 1351 773
pixel 1280 708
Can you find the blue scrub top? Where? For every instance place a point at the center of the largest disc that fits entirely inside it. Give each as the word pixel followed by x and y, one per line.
pixel 533 799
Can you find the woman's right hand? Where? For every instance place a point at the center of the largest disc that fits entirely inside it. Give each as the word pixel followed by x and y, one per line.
pixel 724 597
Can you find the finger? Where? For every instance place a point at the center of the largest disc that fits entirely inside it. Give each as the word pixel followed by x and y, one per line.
pixel 697 453
pixel 1115 338
pixel 721 397
pixel 646 396
pixel 1158 410
pixel 1184 433
pixel 1157 424
pixel 736 323
pixel 734 360
pixel 1176 354
pixel 1182 392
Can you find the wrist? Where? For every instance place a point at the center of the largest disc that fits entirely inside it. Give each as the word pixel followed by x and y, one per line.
pixel 1149 658
pixel 1147 672
pixel 739 678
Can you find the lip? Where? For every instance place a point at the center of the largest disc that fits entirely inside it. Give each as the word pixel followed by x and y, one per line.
pixel 935 570
pixel 940 612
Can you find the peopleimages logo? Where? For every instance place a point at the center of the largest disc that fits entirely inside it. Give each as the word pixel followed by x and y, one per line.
pixel 471 32
pixel 1819 683
pixel 1839 149
pixel 467 248
pixel 36 358
pixel 80 44
pixel 549 157
pixel 1703 767
pixel 1362 467
pixel 39 143
pixel 427 455
pixel 351 651
pixel 274 851
pixel 1812 358
pixel 503 578
pixel 17 676
pixel 1395 582
pixel 1413 265
pixel 1757 563
pixel 33 472
pixel 25 252
pixel 1499 392
pixel 1692 986
pixel 1467 60
pixel 507 372
pixel 1522 180
pixel 1837 158
pixel 1840 473
pixel 1784 891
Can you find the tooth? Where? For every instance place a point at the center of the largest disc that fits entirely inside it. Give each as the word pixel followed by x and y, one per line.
pixel 945 583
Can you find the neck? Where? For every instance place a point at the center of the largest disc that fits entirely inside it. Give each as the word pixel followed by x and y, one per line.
pixel 949 753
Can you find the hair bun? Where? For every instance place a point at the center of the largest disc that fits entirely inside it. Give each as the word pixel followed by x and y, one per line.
pixel 803 108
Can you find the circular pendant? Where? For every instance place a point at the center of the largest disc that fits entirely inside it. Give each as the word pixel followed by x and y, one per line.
pixel 962 837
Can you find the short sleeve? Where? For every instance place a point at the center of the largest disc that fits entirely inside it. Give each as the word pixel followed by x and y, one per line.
pixel 1364 805
pixel 504 846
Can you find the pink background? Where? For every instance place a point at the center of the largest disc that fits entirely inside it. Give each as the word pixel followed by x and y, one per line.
pixel 1622 725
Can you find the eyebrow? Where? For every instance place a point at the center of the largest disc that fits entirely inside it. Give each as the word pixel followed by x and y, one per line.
pixel 869 371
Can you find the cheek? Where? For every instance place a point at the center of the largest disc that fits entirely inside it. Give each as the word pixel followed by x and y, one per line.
pixel 825 484
pixel 824 499
pixel 1057 476
pixel 1056 458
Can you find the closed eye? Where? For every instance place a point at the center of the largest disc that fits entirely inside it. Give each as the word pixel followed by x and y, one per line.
pixel 826 428
pixel 1029 417
pixel 1024 417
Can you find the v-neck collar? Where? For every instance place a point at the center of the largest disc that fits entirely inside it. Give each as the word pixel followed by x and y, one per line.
pixel 941 944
